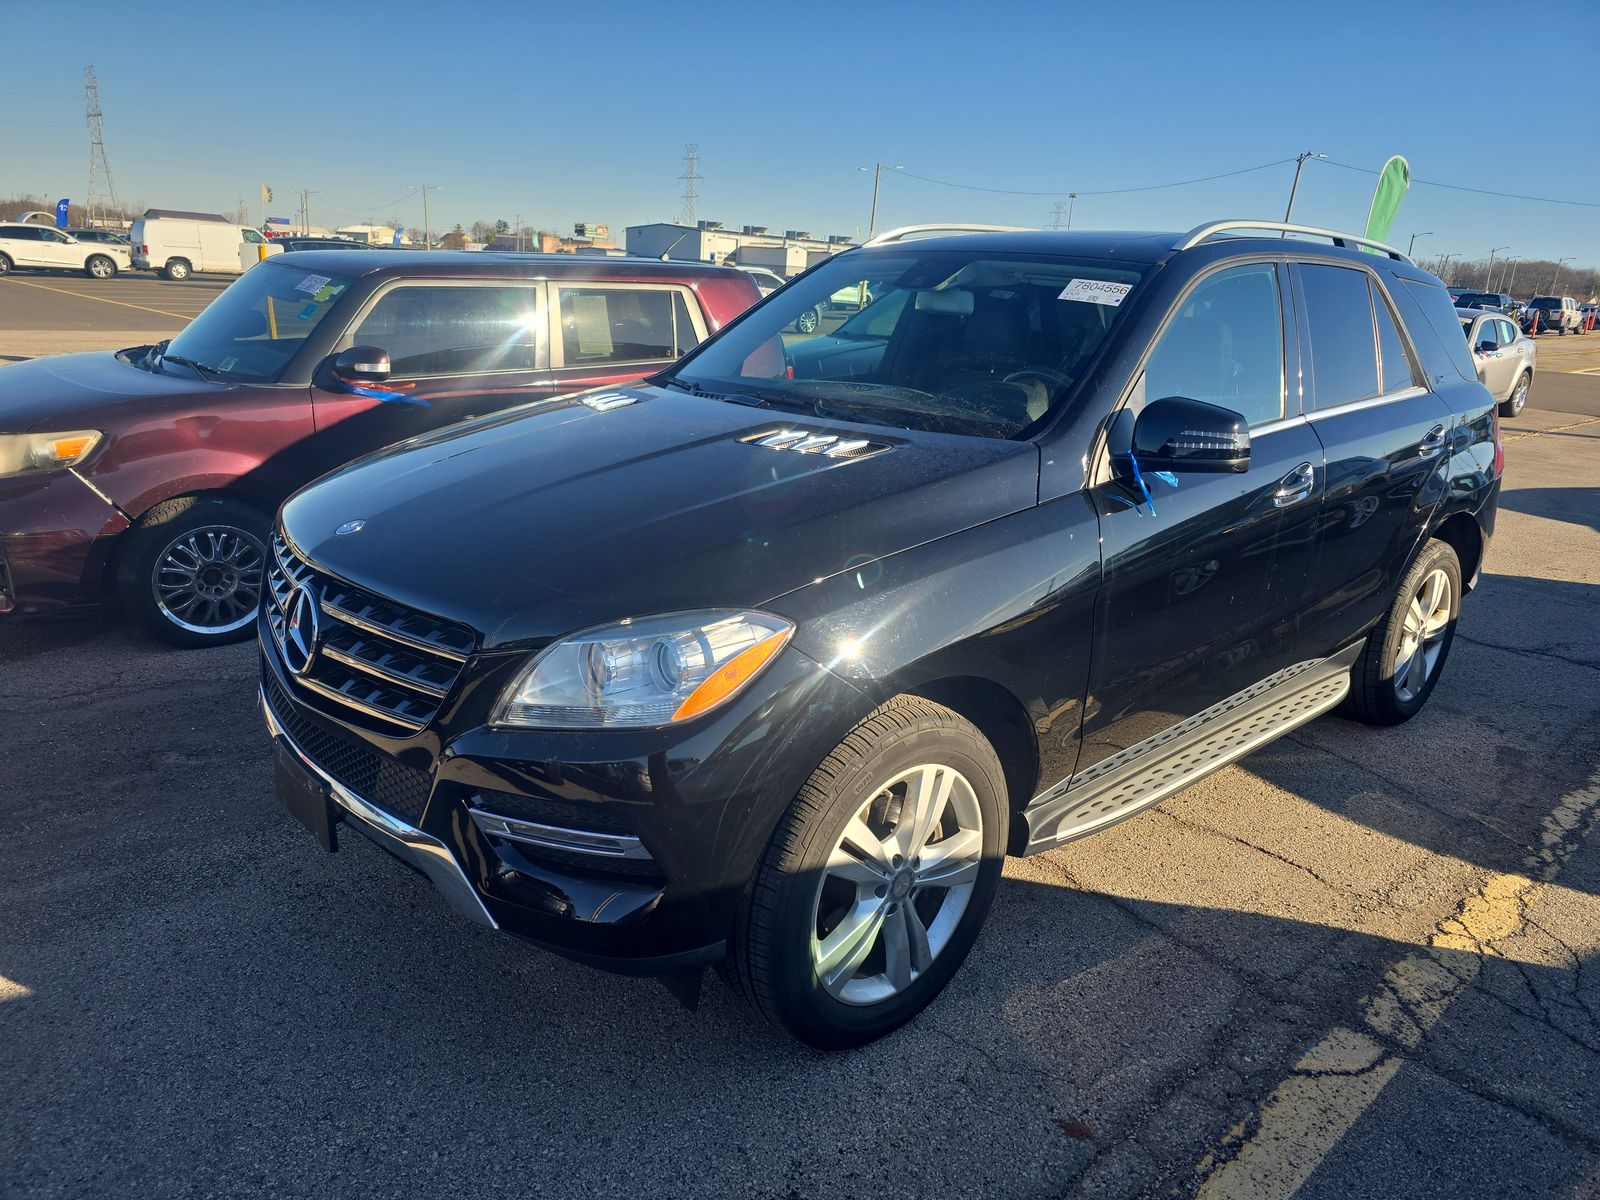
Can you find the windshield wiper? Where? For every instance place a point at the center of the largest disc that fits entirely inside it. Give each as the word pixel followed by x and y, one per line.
pixel 199 369
pixel 746 398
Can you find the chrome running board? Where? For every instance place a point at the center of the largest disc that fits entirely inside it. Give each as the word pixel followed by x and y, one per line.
pixel 1148 772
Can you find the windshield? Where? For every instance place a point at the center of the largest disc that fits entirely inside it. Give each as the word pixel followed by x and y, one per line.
pixel 250 332
pixel 980 344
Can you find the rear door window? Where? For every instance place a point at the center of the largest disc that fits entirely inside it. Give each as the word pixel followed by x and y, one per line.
pixel 1224 345
pixel 1393 360
pixel 1344 360
pixel 1435 331
pixel 616 324
pixel 463 329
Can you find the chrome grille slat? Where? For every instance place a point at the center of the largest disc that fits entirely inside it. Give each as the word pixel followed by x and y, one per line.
pixel 378 658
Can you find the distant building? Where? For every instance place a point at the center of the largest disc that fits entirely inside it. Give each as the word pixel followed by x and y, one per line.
pixel 787 253
pixel 372 235
pixel 587 239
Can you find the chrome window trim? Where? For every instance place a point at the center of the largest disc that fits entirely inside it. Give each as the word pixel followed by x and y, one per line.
pixel 1369 402
pixel 406 842
pixel 1282 423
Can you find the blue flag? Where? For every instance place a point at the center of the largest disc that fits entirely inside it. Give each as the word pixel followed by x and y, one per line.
pixel 61 212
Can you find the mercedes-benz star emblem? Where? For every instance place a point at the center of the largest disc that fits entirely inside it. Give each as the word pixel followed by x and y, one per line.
pixel 349 527
pixel 300 631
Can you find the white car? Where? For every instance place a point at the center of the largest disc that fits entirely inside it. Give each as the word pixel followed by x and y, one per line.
pixel 39 247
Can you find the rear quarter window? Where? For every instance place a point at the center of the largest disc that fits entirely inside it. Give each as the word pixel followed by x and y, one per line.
pixel 1435 332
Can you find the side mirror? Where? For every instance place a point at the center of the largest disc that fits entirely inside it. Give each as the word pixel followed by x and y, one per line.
pixel 1179 434
pixel 363 362
pixel 1486 347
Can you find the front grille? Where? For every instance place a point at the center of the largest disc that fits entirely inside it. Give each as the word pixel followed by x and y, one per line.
pixel 377 779
pixel 381 659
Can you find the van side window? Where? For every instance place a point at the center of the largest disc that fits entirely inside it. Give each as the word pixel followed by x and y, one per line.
pixel 250 235
pixel 1398 374
pixel 1224 345
pixel 1344 360
pixel 602 324
pixel 462 330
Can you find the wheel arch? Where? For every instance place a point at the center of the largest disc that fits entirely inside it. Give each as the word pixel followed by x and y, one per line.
pixel 1461 533
pixel 109 569
pixel 1003 720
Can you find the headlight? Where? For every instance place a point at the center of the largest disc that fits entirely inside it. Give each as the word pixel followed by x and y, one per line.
pixel 24 452
pixel 639 673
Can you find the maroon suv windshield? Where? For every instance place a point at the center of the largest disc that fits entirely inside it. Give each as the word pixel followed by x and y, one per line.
pixel 250 332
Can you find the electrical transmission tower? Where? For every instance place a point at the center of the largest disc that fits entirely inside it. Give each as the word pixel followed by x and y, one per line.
pixel 691 176
pixel 1055 217
pixel 102 201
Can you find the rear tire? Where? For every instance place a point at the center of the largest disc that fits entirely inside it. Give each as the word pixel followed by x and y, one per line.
pixel 99 267
pixel 177 270
pixel 191 572
pixel 807 321
pixel 1513 404
pixel 877 880
pixel 5 265
pixel 1406 651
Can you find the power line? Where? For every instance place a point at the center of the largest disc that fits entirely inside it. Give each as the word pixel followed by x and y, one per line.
pixel 1149 187
pixel 371 208
pixel 1460 187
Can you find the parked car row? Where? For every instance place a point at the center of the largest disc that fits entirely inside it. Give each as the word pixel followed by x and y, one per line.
pixel 766 651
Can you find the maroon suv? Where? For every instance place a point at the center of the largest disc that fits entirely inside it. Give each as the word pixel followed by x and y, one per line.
pixel 151 474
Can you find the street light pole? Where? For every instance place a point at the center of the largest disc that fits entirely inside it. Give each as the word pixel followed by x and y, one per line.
pixel 1412 244
pixel 427 228
pixel 1299 165
pixel 877 178
pixel 1557 277
pixel 1492 253
pixel 1072 201
pixel 1444 266
pixel 1512 261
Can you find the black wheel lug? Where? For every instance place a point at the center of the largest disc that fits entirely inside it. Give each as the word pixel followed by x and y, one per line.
pixel 880 891
pixel 898 862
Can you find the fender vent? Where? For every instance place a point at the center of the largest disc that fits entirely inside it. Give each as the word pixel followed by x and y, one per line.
pixel 606 401
pixel 810 441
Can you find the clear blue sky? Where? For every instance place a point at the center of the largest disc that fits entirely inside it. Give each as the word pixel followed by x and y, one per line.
pixel 564 112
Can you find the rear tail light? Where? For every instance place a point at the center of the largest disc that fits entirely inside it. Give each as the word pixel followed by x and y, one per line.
pixel 1499 446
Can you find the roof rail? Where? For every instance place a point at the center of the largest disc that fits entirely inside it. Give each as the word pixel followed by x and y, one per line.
pixel 907 232
pixel 1202 233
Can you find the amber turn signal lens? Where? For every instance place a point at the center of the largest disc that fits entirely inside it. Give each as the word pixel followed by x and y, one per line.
pixel 731 676
pixel 70 449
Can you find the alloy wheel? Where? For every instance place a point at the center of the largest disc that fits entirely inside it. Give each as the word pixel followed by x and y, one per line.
pixel 100 268
pixel 1422 636
pixel 896 884
pixel 1519 395
pixel 208 580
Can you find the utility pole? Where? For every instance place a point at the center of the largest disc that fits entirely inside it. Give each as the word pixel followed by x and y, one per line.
pixel 518 230
pixel 1504 262
pixel 427 228
pixel 1412 244
pixel 1072 200
pixel 1299 165
pixel 1444 265
pixel 877 178
pixel 690 177
pixel 1556 278
pixel 1512 281
pixel 1492 253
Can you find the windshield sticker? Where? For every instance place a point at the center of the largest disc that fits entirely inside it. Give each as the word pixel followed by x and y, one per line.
pixel 227 363
pixel 314 283
pixel 308 311
pixel 1095 291
pixel 327 292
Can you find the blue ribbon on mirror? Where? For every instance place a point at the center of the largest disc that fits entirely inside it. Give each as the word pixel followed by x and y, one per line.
pixel 1166 477
pixel 387 395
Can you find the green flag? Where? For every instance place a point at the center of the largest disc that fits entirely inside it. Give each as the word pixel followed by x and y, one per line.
pixel 1393 181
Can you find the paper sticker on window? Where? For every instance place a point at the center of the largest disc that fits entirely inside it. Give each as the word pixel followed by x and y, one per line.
pixel 1095 291
pixel 592 322
pixel 312 283
pixel 228 363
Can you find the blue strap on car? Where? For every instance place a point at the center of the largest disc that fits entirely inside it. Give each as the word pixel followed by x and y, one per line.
pixel 385 394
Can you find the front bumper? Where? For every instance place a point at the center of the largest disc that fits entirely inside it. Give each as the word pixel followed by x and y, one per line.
pixel 56 537
pixel 699 802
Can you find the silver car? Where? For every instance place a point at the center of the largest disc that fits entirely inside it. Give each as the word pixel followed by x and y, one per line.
pixel 1503 354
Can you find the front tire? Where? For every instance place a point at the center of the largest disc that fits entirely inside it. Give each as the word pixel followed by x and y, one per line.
pixel 1513 404
pixel 807 321
pixel 5 265
pixel 177 270
pixel 1405 653
pixel 192 571
pixel 99 267
pixel 877 880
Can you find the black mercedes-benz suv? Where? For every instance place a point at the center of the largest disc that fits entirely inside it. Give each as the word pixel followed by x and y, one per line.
pixel 768 662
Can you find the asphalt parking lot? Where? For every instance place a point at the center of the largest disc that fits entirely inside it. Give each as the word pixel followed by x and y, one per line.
pixel 1359 963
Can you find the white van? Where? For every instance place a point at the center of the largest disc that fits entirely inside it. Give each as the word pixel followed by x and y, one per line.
pixel 178 244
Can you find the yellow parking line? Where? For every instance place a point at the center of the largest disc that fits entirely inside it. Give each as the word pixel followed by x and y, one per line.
pixel 85 296
pixel 1270 1154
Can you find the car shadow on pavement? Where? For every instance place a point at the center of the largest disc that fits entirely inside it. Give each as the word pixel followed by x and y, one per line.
pixel 1579 505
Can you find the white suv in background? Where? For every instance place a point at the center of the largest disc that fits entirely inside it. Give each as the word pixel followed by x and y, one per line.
pixel 39 247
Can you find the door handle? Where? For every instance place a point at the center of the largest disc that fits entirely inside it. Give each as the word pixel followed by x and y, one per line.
pixel 1295 486
pixel 1432 444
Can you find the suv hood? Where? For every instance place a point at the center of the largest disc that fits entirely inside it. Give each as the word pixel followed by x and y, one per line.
pixel 556 517
pixel 85 391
